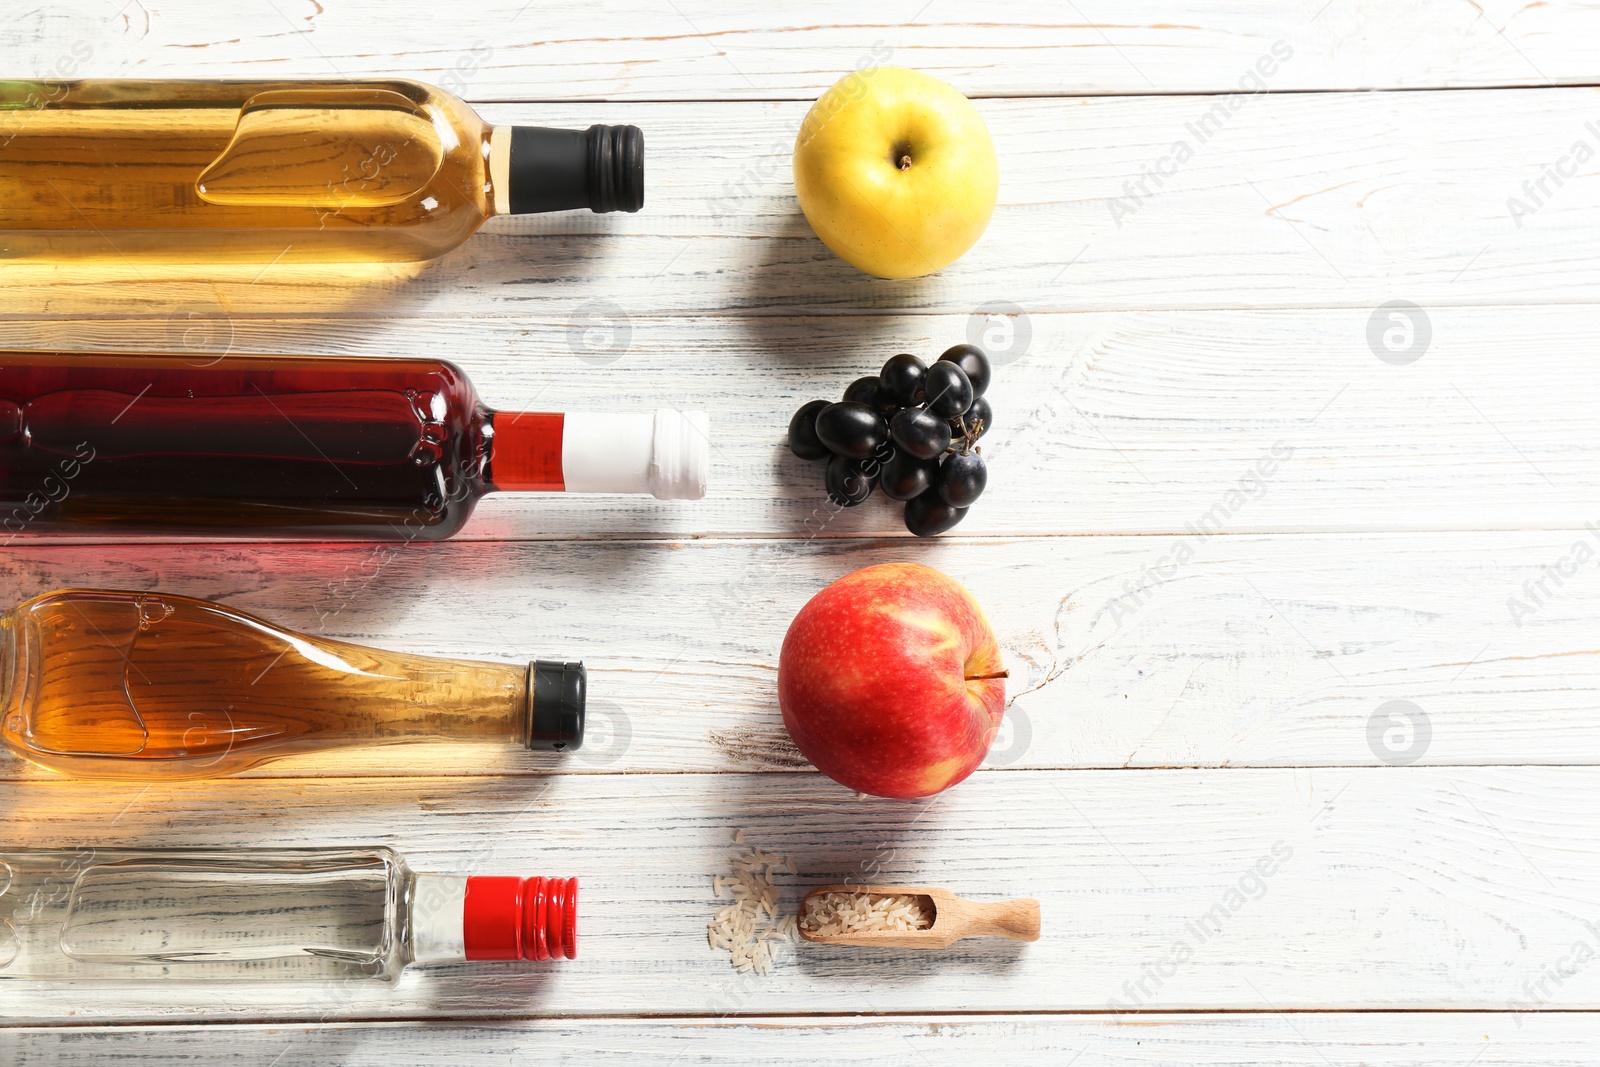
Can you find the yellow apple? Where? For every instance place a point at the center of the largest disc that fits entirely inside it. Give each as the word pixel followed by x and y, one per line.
pixel 896 172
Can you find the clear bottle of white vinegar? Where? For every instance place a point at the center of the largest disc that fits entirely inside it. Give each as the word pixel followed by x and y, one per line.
pixel 301 914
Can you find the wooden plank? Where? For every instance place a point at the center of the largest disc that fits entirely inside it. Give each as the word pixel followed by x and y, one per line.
pixel 1140 410
pixel 1124 422
pixel 1259 651
pixel 1376 1040
pixel 1161 890
pixel 1401 196
pixel 628 49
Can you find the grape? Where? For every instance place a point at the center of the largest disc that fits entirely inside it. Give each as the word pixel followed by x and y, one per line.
pixel 962 477
pixel 971 359
pixel 868 391
pixel 894 431
pixel 905 476
pixel 803 440
pixel 981 412
pixel 928 515
pixel 902 378
pixel 850 428
pixel 920 433
pixel 978 412
pixel 948 391
pixel 847 484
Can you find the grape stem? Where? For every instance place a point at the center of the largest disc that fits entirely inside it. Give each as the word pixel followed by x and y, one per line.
pixel 966 439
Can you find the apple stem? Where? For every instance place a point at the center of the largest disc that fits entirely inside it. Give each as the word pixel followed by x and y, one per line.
pixel 905 162
pixel 985 677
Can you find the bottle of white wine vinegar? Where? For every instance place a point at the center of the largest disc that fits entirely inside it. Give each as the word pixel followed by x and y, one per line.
pixel 259 172
pixel 315 914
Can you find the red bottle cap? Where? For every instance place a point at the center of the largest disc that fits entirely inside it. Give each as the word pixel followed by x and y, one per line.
pixel 521 918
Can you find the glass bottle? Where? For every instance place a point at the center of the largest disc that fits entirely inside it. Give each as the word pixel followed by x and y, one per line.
pixel 103 684
pixel 310 913
pixel 301 446
pixel 281 171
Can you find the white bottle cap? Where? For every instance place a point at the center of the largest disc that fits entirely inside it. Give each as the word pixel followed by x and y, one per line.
pixel 666 454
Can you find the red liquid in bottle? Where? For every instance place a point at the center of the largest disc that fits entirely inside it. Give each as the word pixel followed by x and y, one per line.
pixel 298 446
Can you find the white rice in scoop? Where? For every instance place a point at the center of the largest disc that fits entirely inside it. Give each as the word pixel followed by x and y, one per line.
pixel 855 913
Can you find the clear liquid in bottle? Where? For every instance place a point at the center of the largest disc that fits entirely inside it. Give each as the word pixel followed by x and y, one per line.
pixel 287 914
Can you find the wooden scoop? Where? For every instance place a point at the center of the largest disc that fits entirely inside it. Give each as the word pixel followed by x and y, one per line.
pixel 953 918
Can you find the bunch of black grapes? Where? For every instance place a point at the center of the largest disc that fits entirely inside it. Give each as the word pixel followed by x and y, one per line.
pixel 909 430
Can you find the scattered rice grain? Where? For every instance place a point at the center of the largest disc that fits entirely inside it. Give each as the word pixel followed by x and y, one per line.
pixel 748 927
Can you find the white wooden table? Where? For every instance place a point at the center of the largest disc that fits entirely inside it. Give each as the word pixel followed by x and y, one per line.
pixel 1438 872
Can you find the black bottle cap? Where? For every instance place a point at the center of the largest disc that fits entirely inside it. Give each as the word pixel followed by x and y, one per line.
pixel 601 168
pixel 556 695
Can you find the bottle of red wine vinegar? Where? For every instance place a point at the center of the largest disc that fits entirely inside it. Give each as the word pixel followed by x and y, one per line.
pixel 301 446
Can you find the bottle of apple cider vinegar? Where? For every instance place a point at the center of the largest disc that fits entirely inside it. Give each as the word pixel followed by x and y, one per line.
pixel 293 172
pixel 99 683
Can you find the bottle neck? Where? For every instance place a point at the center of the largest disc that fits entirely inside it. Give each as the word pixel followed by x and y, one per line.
pixel 535 169
pixel 665 453
pixel 539 705
pixel 500 170
pixel 421 698
pixel 456 917
pixel 525 452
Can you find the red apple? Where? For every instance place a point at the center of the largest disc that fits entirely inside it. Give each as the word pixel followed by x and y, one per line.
pixel 890 681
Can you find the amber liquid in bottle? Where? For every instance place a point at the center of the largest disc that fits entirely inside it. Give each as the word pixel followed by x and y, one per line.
pixel 132 685
pixel 262 172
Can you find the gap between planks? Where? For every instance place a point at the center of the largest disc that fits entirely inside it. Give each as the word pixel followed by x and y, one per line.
pixel 499 1019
